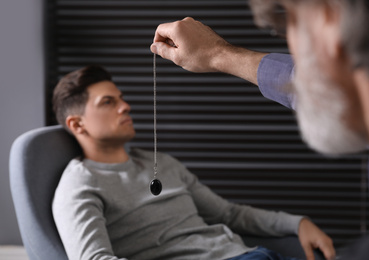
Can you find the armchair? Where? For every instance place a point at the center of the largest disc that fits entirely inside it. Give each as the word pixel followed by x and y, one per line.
pixel 37 160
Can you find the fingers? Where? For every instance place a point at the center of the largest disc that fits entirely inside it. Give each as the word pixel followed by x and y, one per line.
pixel 189 44
pixel 308 251
pixel 163 32
pixel 166 39
pixel 328 249
pixel 168 32
pixel 311 237
pixel 163 49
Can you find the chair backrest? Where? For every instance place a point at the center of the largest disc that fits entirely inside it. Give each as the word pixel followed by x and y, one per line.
pixel 37 160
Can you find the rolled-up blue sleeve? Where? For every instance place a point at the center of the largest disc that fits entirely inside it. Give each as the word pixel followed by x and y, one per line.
pixel 274 73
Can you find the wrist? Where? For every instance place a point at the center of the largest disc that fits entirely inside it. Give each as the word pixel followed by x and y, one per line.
pixel 304 222
pixel 222 57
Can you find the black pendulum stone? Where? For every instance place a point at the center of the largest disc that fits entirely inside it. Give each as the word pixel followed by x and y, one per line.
pixel 155 187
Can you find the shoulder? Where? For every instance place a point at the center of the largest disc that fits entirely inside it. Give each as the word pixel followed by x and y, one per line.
pixel 75 176
pixel 77 170
pixel 77 191
pixel 78 187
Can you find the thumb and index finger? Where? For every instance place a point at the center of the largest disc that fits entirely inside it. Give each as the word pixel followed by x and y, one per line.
pixel 308 250
pixel 163 43
pixel 326 249
pixel 311 238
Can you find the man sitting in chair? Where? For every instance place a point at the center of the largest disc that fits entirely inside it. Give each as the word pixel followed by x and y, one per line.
pixel 103 208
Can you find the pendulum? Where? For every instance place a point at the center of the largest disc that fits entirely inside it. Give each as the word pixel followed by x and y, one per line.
pixel 155 185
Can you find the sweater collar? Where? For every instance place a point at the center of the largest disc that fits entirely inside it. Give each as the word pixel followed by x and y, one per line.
pixel 109 166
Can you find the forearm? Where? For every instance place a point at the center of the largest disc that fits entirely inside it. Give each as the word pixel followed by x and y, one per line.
pixel 238 61
pixel 249 220
pixel 241 219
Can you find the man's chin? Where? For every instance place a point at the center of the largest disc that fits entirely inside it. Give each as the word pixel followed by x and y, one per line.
pixel 120 139
pixel 333 143
pixel 128 138
pixel 332 150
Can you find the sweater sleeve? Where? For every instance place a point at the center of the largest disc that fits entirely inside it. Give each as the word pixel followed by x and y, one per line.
pixel 78 214
pixel 274 73
pixel 242 219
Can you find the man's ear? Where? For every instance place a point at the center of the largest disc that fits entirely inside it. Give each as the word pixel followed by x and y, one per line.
pixel 75 124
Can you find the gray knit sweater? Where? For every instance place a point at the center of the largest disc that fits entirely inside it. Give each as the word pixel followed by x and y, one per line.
pixel 106 211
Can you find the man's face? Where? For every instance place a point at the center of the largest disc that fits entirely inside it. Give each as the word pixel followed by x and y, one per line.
pixel 328 109
pixel 106 118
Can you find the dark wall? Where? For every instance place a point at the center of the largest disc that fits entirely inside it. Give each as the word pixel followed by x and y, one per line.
pixel 243 146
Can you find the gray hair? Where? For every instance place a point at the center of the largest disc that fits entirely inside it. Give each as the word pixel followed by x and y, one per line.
pixel 271 14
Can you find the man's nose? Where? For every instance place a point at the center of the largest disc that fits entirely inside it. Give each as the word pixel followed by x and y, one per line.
pixel 124 107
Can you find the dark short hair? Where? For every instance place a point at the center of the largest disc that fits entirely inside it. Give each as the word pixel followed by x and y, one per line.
pixel 271 14
pixel 70 94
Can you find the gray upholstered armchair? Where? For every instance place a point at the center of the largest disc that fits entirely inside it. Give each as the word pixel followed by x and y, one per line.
pixel 37 160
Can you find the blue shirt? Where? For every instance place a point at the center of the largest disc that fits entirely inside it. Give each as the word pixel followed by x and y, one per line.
pixel 274 73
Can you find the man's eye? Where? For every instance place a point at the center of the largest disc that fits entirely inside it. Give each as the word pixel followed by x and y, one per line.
pixel 108 102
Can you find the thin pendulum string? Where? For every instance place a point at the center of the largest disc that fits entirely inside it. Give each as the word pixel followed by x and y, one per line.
pixel 155 135
pixel 155 185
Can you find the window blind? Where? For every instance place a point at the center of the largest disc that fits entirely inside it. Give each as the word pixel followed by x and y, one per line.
pixel 245 147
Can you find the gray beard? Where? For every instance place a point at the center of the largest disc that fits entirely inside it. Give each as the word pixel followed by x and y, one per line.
pixel 321 108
